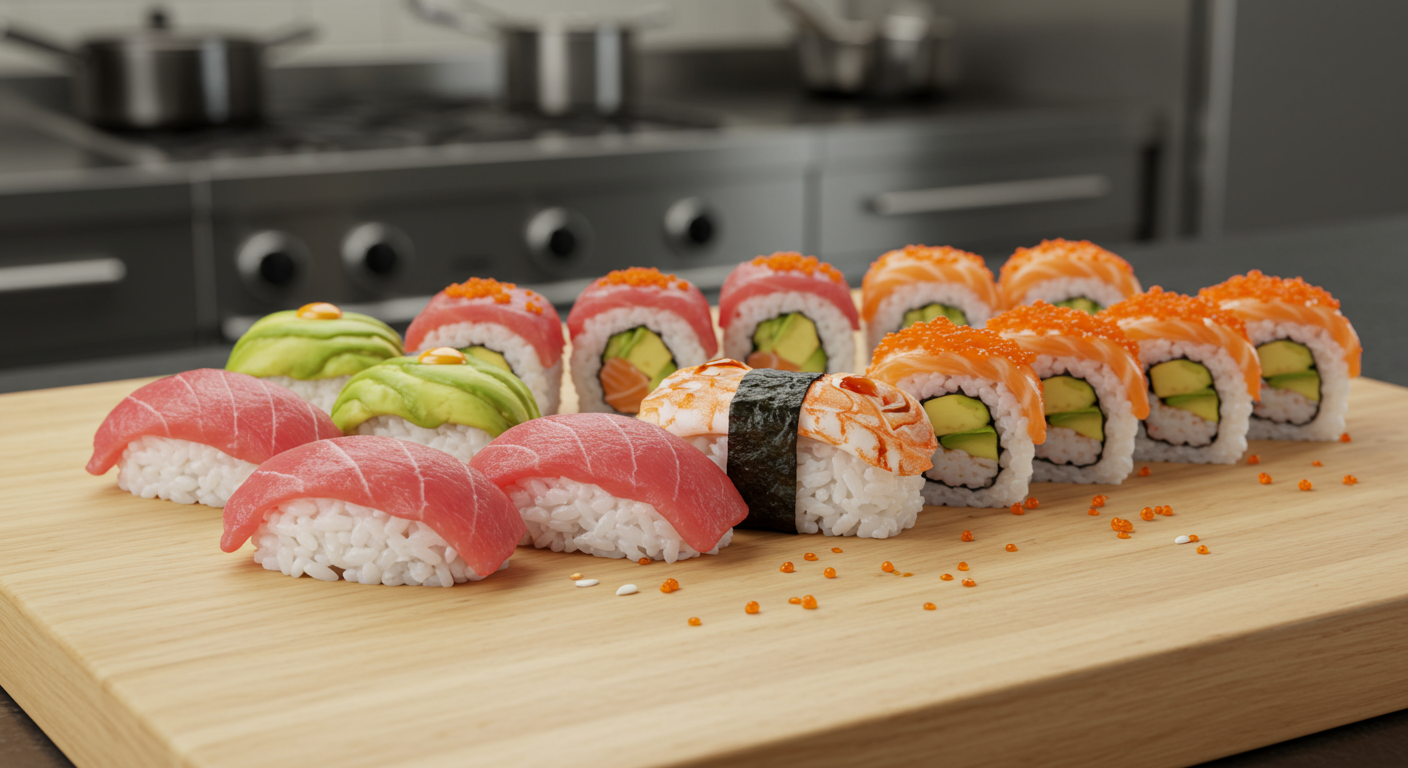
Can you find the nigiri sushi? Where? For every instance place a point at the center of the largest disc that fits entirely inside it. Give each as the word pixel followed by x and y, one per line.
pixel 373 510
pixel 313 350
pixel 194 437
pixel 612 486
pixel 1080 275
pixel 631 329
pixel 514 328
pixel 919 283
pixel 441 398
pixel 810 453
pixel 790 312
pixel 1092 391
pixel 983 401
pixel 1308 353
pixel 1202 370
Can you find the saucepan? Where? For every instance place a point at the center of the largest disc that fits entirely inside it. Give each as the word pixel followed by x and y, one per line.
pixel 160 77
pixel 904 51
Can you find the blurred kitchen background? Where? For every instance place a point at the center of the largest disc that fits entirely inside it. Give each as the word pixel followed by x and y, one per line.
pixel 547 142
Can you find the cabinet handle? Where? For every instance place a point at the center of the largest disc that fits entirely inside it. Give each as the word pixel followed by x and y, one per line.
pixel 63 274
pixel 994 195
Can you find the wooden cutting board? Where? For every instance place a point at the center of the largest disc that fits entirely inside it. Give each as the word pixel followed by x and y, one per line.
pixel 132 640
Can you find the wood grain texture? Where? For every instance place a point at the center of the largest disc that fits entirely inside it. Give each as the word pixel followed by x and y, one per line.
pixel 133 640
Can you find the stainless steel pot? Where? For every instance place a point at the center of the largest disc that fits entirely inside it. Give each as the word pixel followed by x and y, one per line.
pixel 904 52
pixel 556 65
pixel 158 77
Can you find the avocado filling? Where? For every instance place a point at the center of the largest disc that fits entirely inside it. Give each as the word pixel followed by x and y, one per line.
pixel 788 343
pixel 632 366
pixel 1288 365
pixel 930 311
pixel 962 423
pixel 1081 303
pixel 1071 403
pixel 489 356
pixel 1187 385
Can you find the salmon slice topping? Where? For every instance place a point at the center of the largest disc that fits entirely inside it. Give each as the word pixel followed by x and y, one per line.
pixel 624 385
pixel 925 264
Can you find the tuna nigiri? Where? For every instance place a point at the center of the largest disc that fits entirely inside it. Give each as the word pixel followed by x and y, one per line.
pixel 1080 275
pixel 197 435
pixel 790 312
pixel 919 283
pixel 373 510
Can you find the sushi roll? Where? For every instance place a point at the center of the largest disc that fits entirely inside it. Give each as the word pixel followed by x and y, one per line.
pixel 612 486
pixel 441 398
pixel 631 329
pixel 313 350
pixel 921 283
pixel 1080 275
pixel 1092 391
pixel 1202 371
pixel 983 402
pixel 196 436
pixel 373 510
pixel 514 328
pixel 835 454
pixel 790 312
pixel 1308 353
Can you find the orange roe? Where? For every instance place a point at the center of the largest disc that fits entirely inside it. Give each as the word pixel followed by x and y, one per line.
pixel 1146 513
pixel 1345 438
pixel 1032 503
pixel 1123 534
pixel 829 573
pixel 1316 463
pixel 669 586
pixel 751 607
pixel 1099 500
pixel 441 356
pixel 1011 547
pixel 1255 285
pixel 1121 525
pixel 319 310
pixel 966 536
pixel 1143 471
pixel 482 288
pixel 1350 480
pixel 1092 511
pixel 1203 549
pixel 930 606
pixel 1264 479
pixel 940 336
pixel 788 567
pixel 887 567
pixel 837 550
pixel 1017 509
pixel 969 583
pixel 1193 537
pixel 644 561
pixel 791 261
pixel 1304 485
pixel 809 556
pixel 1167 305
pixel 962 566
pixel 1065 250
pixel 1253 459
pixel 642 277
pixel 808 602
pixel 694 621
pixel 795 600
pixel 906 574
pixel 946 577
pixel 575 576
pixel 1047 320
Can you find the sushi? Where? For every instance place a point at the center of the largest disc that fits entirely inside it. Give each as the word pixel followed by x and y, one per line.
pixel 631 329
pixel 1308 353
pixel 1092 391
pixel 313 350
pixel 1203 373
pixel 810 453
pixel 1080 275
pixel 921 283
pixel 983 401
pixel 373 510
pixel 514 328
pixel 442 398
pixel 194 437
pixel 612 486
pixel 790 312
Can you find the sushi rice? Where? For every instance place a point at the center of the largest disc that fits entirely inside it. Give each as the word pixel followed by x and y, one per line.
pixel 521 356
pixel 331 540
pixel 1285 415
pixel 180 471
pixel 890 314
pixel 1183 436
pixel 1070 457
pixel 458 440
pixel 321 393
pixel 676 332
pixel 1063 288
pixel 833 328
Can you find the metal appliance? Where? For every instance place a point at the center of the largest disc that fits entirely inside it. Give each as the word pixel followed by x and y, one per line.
pixel 906 51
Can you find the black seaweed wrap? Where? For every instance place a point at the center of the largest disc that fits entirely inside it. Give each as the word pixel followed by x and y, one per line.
pixel 762 445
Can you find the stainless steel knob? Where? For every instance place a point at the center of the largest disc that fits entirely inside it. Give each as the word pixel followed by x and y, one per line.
pixel 690 224
pixel 271 262
pixel 374 253
pixel 556 236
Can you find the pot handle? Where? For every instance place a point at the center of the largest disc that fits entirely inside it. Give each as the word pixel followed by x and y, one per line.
pixel 441 17
pixel 8 31
pixel 297 35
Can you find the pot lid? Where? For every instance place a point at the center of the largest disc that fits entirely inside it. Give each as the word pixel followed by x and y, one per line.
pixel 159 34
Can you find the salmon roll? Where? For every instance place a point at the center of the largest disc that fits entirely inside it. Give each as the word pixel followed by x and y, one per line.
pixel 1093 392
pixel 313 350
pixel 631 329
pixel 982 399
pixel 1202 370
pixel 510 327
pixel 790 312
pixel 1308 353
pixel 1080 275
pixel 919 283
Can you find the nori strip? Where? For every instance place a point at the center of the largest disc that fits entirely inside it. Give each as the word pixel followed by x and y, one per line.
pixel 762 445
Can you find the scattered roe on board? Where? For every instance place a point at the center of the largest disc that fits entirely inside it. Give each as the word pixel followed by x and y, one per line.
pixel 940 336
pixel 1350 480
pixel 1099 500
pixel 829 573
pixel 788 567
pixel 1203 549
pixel 791 261
pixel 1047 320
pixel 808 602
pixel 1167 305
pixel 669 586
pixel 1253 459
pixel 1011 547
pixel 966 536
pixel 1304 485
pixel 1017 509
pixel 1345 438
pixel 575 576
pixel 1123 534
pixel 642 277
pixel 1256 285
pixel 969 583
pixel 795 600
pixel 1121 525
pixel 752 607
pixel 1263 478
pixel 887 567
pixel 837 550
pixel 930 606
pixel 946 577
pixel 1092 511
pixel 809 556
pixel 1144 472
pixel 1032 503
pixel 644 561
pixel 1317 463
pixel 962 566
pixel 1193 537
pixel 694 621
pixel 1146 513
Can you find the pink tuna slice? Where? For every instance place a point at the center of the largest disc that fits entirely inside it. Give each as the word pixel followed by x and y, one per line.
pixel 688 303
pixel 541 329
pixel 748 280
pixel 246 417
pixel 401 478
pixel 629 459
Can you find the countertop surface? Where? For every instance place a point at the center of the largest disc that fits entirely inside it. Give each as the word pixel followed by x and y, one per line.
pixel 1362 263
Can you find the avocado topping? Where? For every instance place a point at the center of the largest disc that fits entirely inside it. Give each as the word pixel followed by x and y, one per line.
pixel 1286 364
pixel 962 423
pixel 643 349
pixel 285 344
pixel 489 356
pixel 792 338
pixel 1081 303
pixel 1185 384
pixel 474 394
pixel 928 312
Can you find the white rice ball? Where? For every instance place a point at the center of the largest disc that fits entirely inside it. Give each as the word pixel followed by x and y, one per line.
pixel 321 393
pixel 458 440
pixel 180 471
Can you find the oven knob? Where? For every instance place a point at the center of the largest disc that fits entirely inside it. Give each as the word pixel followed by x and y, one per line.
pixel 375 252
pixel 271 261
pixel 556 235
pixel 690 224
